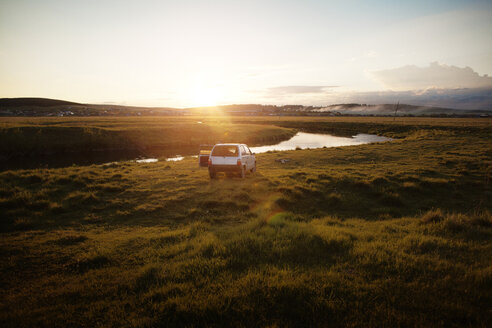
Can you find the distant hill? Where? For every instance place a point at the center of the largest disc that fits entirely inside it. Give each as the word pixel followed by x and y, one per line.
pixel 54 107
pixel 343 109
pixel 401 109
pixel 38 102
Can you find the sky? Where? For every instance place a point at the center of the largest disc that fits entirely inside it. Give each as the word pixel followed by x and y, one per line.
pixel 202 53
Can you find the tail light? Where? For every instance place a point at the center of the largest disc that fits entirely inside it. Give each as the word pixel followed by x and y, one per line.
pixel 209 162
pixel 238 162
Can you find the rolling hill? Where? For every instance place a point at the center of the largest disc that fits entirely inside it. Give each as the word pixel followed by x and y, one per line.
pixel 55 107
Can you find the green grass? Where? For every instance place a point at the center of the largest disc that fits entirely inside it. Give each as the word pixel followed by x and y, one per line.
pixel 390 234
pixel 157 136
pixel 151 136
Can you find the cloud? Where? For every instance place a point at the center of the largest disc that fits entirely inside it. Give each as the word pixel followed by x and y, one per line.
pixel 410 85
pixel 436 75
pixel 298 94
pixel 298 89
pixel 464 98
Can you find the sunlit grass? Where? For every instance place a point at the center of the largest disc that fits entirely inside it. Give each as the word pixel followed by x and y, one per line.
pixel 393 234
pixel 147 136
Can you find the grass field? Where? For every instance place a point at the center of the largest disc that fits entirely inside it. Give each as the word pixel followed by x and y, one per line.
pixel 390 234
pixel 156 136
pixel 152 136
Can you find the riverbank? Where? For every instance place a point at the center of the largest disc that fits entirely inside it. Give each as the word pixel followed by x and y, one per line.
pixel 388 234
pixel 56 142
pixel 161 136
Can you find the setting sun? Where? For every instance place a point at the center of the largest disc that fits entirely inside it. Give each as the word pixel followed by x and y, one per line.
pixel 201 89
pixel 203 96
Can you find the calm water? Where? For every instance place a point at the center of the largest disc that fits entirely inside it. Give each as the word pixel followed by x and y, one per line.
pixel 314 140
pixel 147 160
pixel 301 140
pixel 309 140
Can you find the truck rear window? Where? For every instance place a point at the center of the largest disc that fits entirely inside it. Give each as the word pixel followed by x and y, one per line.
pixel 227 151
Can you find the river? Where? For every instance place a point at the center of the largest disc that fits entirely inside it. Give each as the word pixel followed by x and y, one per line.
pixel 301 140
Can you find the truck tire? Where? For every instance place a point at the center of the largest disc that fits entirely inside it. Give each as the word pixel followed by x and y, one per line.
pixel 212 174
pixel 253 170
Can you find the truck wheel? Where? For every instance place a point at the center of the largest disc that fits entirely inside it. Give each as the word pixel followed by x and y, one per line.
pixel 253 170
pixel 212 174
pixel 243 172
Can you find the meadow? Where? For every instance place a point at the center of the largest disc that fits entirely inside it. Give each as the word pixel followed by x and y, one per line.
pixel 150 136
pixel 377 235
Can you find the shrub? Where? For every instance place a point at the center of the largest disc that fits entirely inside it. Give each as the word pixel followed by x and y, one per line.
pixel 432 216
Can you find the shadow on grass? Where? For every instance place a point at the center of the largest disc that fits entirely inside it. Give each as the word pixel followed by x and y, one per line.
pixel 380 197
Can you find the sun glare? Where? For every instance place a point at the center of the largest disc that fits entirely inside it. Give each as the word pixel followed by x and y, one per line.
pixel 202 89
pixel 204 96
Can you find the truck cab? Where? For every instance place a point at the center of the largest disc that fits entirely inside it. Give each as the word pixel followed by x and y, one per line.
pixel 231 158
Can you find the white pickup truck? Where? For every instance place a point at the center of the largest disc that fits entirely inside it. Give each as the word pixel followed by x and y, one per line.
pixel 231 158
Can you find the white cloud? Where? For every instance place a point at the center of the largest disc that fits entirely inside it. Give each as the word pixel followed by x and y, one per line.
pixel 297 89
pixel 457 98
pixel 436 75
pixel 467 98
